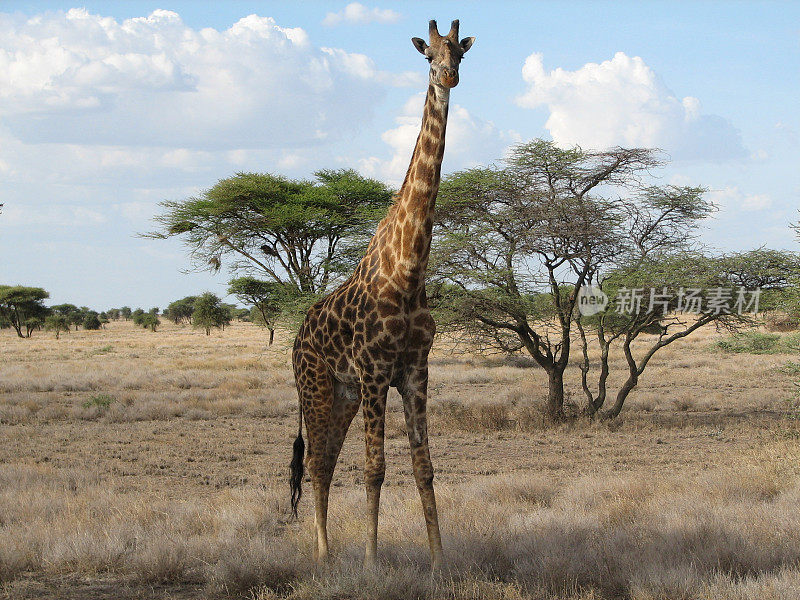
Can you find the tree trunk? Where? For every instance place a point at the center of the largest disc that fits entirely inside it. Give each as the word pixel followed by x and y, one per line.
pixel 271 336
pixel 555 395
pixel 622 395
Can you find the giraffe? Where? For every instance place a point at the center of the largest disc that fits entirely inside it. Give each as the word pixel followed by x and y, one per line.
pixel 375 331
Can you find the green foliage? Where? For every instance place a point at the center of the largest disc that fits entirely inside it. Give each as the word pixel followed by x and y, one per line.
pixel 241 314
pixel 101 401
pixel 65 310
pixel 149 321
pixel 763 268
pixel 22 306
pixel 792 368
pixel 137 316
pixel 181 310
pixel 209 312
pixel 297 232
pixel 56 323
pixel 125 312
pixel 757 342
pixel 269 299
pixel 92 321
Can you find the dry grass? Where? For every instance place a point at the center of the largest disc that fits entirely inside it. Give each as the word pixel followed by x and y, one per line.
pixel 153 465
pixel 510 537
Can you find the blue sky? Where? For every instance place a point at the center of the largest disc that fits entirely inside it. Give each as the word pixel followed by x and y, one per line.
pixel 106 108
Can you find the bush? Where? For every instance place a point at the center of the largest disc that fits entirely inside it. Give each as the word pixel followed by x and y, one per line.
pixel 101 401
pixel 781 321
pixel 757 342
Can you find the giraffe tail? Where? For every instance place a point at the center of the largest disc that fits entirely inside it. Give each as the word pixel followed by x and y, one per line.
pixel 296 467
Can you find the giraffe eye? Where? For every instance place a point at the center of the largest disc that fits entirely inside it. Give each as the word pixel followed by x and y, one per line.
pixel 429 58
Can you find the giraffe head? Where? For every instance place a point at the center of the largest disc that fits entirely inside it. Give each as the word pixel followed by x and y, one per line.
pixel 444 54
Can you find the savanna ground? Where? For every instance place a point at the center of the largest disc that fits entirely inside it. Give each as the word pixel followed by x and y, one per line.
pixel 154 465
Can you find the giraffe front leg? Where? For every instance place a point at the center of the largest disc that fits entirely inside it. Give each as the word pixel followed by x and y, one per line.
pixel 373 397
pixel 415 398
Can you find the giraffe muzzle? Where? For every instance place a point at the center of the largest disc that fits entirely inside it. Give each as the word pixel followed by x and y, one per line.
pixel 449 78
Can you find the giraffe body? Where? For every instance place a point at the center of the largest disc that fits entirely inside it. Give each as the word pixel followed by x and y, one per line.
pixel 375 331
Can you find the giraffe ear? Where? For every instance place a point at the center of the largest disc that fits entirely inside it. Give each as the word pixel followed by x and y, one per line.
pixel 466 43
pixel 419 44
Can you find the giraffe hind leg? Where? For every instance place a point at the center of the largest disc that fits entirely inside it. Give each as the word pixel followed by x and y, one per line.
pixel 315 388
pixel 346 400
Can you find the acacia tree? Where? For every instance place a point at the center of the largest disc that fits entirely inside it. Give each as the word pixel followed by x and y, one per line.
pixel 666 296
pixel 181 310
pixel 777 274
pixel 150 321
pixel 209 312
pixel 22 306
pixel 91 321
pixel 71 313
pixel 653 255
pixel 516 241
pixel 57 323
pixel 296 232
pixel 677 293
pixel 268 299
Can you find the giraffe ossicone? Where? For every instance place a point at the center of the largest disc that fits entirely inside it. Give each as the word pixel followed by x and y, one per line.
pixel 375 330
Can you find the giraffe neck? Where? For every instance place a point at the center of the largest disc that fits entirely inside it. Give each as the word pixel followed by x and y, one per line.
pixel 407 237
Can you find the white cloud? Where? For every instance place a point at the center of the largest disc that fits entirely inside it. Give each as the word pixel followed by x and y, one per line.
pixel 470 141
pixel 362 66
pixel 731 197
pixel 623 102
pixel 358 14
pixel 85 79
pixel 65 216
pixel 756 202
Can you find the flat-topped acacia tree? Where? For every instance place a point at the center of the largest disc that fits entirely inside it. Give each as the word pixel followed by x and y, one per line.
pixel 298 232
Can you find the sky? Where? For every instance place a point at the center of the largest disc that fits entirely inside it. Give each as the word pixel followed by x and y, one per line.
pixel 108 108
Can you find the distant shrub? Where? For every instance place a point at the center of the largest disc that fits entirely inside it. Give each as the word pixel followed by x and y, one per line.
pixel 101 401
pixel 757 342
